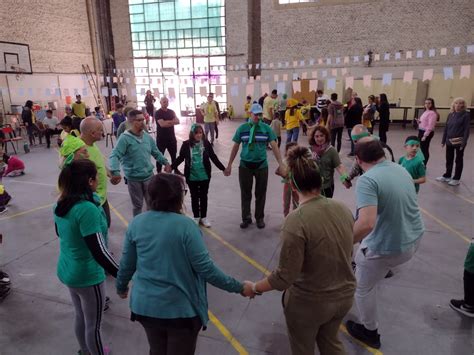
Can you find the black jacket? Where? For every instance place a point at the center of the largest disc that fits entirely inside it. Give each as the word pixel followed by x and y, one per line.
pixel 457 126
pixel 27 117
pixel 384 114
pixel 354 116
pixel 208 155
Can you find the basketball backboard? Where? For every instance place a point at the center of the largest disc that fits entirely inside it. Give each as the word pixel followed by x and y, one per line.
pixel 15 58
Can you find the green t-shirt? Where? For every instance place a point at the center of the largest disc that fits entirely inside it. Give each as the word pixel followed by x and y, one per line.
pixel 96 156
pixel 257 151
pixel 327 163
pixel 198 171
pixel 415 167
pixel 76 265
pixel 469 262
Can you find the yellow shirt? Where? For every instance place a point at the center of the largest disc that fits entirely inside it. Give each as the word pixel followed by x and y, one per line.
pixel 293 121
pixel 247 109
pixel 210 112
pixel 268 104
pixel 79 110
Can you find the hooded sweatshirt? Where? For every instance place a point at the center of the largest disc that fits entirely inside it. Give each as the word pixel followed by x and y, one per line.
pixel 336 115
pixel 457 126
pixel 134 152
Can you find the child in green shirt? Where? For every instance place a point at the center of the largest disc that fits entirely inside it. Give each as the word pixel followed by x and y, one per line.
pixel 413 162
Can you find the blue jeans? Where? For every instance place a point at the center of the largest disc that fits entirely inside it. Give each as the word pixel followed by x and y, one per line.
pixel 292 135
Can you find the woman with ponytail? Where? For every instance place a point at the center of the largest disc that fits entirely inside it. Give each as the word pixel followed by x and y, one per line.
pixel 315 270
pixel 81 226
pixel 197 154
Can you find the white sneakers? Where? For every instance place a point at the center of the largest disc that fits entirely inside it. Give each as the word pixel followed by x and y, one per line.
pixel 204 221
pixel 450 182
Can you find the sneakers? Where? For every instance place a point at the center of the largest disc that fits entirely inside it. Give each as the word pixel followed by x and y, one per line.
pixel 389 274
pixel 260 224
pixel 205 222
pixel 361 333
pixel 454 182
pixel 443 179
pixel 245 223
pixel 196 220
pixel 4 279
pixel 461 307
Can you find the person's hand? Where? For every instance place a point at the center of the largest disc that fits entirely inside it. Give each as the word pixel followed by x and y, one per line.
pixel 423 138
pixel 347 184
pixel 115 179
pixel 247 291
pixel 283 171
pixel 228 171
pixel 168 168
pixel 277 171
pixel 123 295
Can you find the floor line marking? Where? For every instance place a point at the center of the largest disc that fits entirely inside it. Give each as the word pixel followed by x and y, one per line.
pixel 451 192
pixel 259 267
pixel 214 320
pixel 26 212
pixel 237 251
pixel 52 185
pixel 445 225
pixel 371 350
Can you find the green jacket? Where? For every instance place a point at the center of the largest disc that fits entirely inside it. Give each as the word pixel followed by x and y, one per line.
pixel 133 153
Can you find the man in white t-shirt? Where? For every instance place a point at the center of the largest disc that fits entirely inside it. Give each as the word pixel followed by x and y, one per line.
pixel 270 106
pixel 50 124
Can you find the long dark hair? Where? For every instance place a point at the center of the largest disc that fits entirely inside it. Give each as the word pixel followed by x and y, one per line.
pixel 192 133
pixel 74 185
pixel 166 193
pixel 383 99
pixel 433 106
pixel 303 170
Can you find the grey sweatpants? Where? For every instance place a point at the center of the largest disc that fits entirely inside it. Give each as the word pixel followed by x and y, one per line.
pixel 89 304
pixel 209 127
pixel 138 191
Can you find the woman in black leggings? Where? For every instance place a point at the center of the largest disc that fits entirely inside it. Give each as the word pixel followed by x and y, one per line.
pixel 426 127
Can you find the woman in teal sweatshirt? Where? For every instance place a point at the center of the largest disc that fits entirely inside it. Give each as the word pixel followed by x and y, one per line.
pixel 165 253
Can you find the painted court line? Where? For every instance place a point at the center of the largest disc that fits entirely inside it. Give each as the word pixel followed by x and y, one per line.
pixel 261 268
pixel 26 212
pixel 450 191
pixel 214 320
pixel 445 225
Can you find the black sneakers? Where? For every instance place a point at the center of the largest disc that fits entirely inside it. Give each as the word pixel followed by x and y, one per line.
pixel 4 285
pixel 260 224
pixel 245 223
pixel 461 307
pixel 361 333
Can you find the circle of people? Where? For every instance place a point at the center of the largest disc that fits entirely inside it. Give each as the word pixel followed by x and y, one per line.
pixel 164 254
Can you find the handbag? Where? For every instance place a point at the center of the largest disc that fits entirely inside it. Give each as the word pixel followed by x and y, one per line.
pixel 457 141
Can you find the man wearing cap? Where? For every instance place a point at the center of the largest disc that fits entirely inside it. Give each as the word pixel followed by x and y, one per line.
pixel 254 137
pixel 270 105
pixel 79 107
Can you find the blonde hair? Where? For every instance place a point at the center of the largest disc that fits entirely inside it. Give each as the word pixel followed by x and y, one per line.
pixel 456 100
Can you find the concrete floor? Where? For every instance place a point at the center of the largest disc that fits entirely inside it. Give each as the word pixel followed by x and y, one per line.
pixel 37 318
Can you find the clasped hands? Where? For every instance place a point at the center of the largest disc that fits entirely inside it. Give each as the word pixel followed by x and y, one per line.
pixel 248 290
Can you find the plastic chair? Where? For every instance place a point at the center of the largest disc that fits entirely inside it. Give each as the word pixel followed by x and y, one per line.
pixel 9 137
pixel 109 134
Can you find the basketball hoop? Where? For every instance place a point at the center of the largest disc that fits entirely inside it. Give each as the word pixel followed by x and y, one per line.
pixel 18 72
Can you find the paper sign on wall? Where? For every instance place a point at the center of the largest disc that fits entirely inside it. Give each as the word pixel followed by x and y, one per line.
pixel 457 50
pixel 104 91
pixel 275 78
pixel 324 73
pixel 295 76
pixel 409 54
pixel 346 60
pixel 234 90
pixel 142 91
pixel 296 86
pixel 328 61
pixel 386 56
pixel 356 59
pixel 156 91
pixel 387 79
pixel 313 85
pixel 114 92
pixel 285 77
pixel 334 72
pixel 344 71
pixel 304 75
pixel 470 48
pixel 219 90
pixel 202 90
pixel 189 91
pixel 338 60
pixel 331 83
pixel 427 74
pixel 367 80
pixel 419 53
pixel 350 82
pixel 281 86
pixel 314 74
pixel 465 72
pixel 448 73
pixel 377 57
pixel 431 53
pixel 408 77
pixel 398 55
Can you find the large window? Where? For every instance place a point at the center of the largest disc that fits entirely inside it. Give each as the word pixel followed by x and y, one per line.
pixel 179 49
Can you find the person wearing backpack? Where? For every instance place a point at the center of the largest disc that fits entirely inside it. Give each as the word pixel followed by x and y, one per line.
pixel 336 121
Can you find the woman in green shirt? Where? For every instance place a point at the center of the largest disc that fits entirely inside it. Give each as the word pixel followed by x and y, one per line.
pixel 327 158
pixel 165 253
pixel 197 154
pixel 82 230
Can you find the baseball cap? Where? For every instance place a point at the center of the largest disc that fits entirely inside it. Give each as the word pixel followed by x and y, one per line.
pixel 256 109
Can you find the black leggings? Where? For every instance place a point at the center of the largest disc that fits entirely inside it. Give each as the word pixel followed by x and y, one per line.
pixel 163 145
pixel 469 288
pixel 337 133
pixel 450 153
pixel 199 190
pixel 328 191
pixel 425 145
